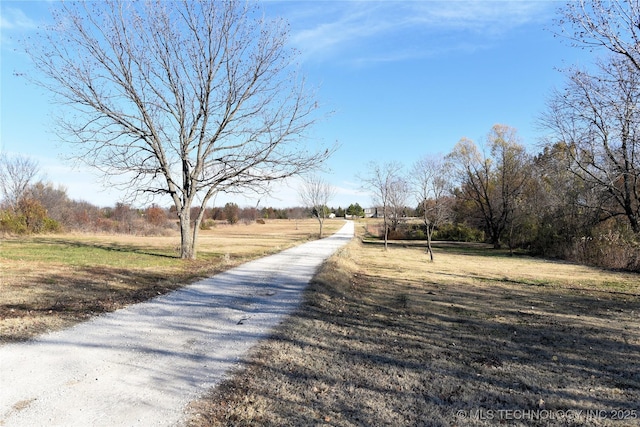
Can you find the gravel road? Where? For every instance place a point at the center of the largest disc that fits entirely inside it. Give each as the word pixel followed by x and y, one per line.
pixel 140 366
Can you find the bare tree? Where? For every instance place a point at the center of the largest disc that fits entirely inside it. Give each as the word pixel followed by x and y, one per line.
pixel 399 193
pixel 315 194
pixel 296 214
pixel 432 187
pixel 54 199
pixel 596 119
pixel 16 175
pixel 183 98
pixel 381 180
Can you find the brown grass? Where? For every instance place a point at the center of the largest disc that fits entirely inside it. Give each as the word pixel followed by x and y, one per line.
pixel 477 338
pixel 52 282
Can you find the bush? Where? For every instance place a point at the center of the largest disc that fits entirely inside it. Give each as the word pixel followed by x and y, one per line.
pixel 12 224
pixel 397 234
pixel 156 216
pixel 419 235
pixel 404 231
pixel 458 233
pixel 50 225
pixel 32 222
pixel 231 211
pixel 608 247
pixel 413 231
pixel 207 224
pixel 34 214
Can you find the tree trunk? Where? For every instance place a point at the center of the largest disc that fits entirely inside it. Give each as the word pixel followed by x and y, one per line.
pixel 511 245
pixel 386 236
pixel 429 248
pixel 495 235
pixel 187 249
pixel 186 242
pixel 631 214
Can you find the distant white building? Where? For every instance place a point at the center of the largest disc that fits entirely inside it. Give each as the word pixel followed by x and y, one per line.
pixel 371 212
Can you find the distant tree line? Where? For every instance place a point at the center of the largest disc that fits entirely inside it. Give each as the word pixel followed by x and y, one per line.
pixel 31 205
pixel 548 204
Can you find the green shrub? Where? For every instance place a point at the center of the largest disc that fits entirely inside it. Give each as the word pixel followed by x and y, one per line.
pixel 50 225
pixel 30 218
pixel 458 233
pixel 207 224
pixel 12 223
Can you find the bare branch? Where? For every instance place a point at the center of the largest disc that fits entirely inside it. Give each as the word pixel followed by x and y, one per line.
pixel 388 190
pixel 315 194
pixel 597 117
pixel 608 24
pixel 185 98
pixel 16 175
pixel 431 181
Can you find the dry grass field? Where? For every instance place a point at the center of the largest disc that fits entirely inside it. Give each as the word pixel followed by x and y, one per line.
pixel 53 281
pixel 477 338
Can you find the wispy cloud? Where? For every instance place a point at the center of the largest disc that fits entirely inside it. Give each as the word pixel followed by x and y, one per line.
pixel 378 31
pixel 479 16
pixel 13 21
pixel 12 18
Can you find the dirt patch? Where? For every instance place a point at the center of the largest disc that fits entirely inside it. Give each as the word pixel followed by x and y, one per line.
pixel 386 338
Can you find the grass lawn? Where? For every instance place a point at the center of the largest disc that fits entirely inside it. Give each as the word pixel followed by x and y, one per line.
pixel 477 338
pixel 53 281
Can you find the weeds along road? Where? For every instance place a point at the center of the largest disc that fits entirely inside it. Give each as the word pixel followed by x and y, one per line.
pixel 141 365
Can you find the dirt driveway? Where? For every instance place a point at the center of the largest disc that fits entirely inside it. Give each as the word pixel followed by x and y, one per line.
pixel 141 365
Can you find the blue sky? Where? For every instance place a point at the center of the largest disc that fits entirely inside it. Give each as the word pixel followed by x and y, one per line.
pixel 404 79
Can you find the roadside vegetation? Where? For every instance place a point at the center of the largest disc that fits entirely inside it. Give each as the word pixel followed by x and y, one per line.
pixel 476 338
pixel 49 282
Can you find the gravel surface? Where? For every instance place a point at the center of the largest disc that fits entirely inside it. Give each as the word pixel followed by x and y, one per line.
pixel 140 366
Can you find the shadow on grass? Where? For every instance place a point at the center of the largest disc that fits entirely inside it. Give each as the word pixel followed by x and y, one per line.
pixel 377 352
pixel 82 292
pixel 459 248
pixel 110 247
